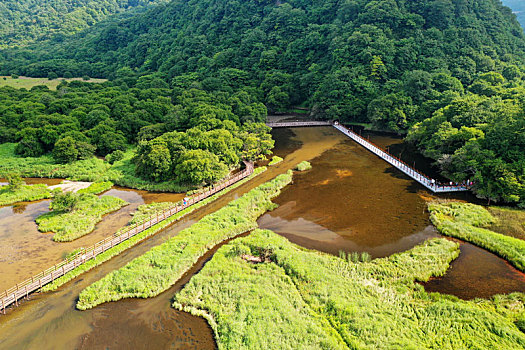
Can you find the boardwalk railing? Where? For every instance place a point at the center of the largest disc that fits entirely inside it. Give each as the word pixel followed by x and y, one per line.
pixel 424 180
pixel 22 290
pixel 291 124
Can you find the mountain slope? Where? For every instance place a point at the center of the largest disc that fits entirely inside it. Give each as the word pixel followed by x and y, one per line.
pixel 518 7
pixel 450 71
pixel 24 21
pixel 287 49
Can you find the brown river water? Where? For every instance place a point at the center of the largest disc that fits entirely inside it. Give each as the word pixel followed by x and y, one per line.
pixel 24 251
pixel 350 201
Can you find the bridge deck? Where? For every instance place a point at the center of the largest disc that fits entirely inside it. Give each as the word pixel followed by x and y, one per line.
pixel 291 124
pixel 21 290
pixel 424 180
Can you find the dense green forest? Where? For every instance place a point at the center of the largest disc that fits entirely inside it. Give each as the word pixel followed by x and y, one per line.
pixel 189 136
pixel 24 21
pixel 456 67
pixel 518 7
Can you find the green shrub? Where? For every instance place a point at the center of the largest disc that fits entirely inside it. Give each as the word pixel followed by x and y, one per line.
pixel 159 268
pixel 115 156
pixel 275 160
pixel 52 76
pixel 15 181
pixel 303 166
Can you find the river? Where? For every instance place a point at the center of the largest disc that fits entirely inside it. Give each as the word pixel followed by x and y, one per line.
pixel 350 200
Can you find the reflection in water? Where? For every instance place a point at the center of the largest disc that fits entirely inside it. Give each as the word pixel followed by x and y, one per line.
pixel 352 201
pixel 285 142
pixel 478 274
pixel 50 321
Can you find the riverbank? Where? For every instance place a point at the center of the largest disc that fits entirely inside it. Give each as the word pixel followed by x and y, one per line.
pixel 367 305
pixel 25 193
pixel 94 169
pixel 467 222
pixel 143 235
pixel 161 267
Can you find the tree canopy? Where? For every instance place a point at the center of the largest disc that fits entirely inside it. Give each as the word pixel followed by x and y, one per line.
pixel 447 72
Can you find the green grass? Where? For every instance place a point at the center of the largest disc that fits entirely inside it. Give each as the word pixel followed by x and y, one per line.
pixel 301 299
pixel 466 221
pixel 303 166
pixel 145 211
pixel 97 187
pixel 28 83
pixel 275 160
pixel 108 254
pixel 159 268
pixel 69 226
pixel 510 222
pixel 25 193
pixel 92 169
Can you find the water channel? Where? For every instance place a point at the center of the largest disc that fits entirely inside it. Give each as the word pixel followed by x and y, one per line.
pixel 350 200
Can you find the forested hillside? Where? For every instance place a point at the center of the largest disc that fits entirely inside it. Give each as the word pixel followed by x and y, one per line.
pixel 518 7
pixel 24 21
pixel 448 70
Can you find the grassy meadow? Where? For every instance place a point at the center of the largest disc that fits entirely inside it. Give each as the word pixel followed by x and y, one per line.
pixel 468 222
pixel 25 193
pixel 300 299
pixel 28 83
pixel 159 268
pixel 69 226
pixel 510 222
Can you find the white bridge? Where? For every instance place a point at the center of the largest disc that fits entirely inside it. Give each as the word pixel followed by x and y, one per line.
pixel 424 180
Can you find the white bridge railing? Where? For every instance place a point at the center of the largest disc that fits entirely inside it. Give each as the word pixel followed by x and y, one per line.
pixel 291 124
pixel 424 180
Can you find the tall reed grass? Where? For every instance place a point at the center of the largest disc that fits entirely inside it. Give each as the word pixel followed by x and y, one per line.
pixel 69 226
pixel 158 269
pixel 113 251
pixel 304 299
pixel 466 221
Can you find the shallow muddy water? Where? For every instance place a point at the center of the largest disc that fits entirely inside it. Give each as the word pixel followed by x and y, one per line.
pixel 353 201
pixel 50 321
pixel 24 251
pixel 350 200
pixel 477 273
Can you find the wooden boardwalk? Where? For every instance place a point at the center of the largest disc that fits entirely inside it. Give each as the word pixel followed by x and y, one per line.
pixel 22 290
pixel 429 183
